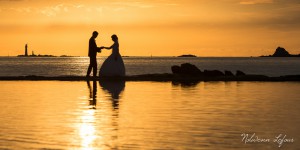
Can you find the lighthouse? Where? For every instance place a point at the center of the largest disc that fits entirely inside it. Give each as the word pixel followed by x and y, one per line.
pixel 26 54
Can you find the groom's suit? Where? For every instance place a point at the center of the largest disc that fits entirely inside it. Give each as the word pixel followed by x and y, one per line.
pixel 93 49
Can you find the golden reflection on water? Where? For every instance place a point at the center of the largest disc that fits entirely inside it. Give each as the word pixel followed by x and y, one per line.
pixel 93 135
pixel 96 115
pixel 87 130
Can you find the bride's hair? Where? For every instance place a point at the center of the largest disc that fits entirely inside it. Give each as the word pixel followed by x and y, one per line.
pixel 114 37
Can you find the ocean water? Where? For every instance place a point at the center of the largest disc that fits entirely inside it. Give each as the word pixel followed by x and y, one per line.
pixel 77 66
pixel 148 115
pixel 96 115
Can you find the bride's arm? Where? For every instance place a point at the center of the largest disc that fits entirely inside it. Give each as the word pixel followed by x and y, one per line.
pixel 108 47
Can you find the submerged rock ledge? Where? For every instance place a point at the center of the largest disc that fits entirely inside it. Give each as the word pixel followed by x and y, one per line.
pixel 155 77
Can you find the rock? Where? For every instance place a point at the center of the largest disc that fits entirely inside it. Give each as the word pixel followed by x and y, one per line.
pixel 228 73
pixel 213 73
pixel 192 70
pixel 240 73
pixel 186 69
pixel 281 52
pixel 176 69
pixel 189 55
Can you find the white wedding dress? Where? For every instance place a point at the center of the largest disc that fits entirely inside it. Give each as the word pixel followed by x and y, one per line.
pixel 113 65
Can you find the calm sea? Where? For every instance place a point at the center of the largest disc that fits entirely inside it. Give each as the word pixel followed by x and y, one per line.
pixel 92 115
pixel 44 115
pixel 77 66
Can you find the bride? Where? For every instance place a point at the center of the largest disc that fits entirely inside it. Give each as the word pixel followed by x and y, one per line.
pixel 113 65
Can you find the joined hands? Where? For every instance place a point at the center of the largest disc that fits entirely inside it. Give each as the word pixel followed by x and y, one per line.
pixel 100 48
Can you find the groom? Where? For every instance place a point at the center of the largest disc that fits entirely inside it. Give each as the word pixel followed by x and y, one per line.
pixel 93 49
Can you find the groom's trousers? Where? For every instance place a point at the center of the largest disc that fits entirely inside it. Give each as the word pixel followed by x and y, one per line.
pixel 93 65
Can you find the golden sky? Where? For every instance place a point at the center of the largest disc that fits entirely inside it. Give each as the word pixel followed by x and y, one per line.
pixel 151 27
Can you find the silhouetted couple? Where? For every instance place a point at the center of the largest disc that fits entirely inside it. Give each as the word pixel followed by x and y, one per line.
pixel 113 65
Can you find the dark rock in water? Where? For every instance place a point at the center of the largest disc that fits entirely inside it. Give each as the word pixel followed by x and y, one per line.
pixel 281 52
pixel 176 69
pixel 240 73
pixel 228 73
pixel 191 70
pixel 213 73
pixel 189 55
pixel 186 69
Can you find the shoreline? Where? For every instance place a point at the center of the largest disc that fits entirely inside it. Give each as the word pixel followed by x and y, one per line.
pixel 155 77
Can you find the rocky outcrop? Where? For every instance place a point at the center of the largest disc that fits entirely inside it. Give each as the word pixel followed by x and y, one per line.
pixel 176 69
pixel 213 73
pixel 228 73
pixel 281 52
pixel 189 55
pixel 186 69
pixel 240 73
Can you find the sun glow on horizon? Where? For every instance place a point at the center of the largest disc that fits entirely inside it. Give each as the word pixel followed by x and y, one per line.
pixel 157 27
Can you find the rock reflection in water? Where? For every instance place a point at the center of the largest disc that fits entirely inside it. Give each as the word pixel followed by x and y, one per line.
pixel 185 83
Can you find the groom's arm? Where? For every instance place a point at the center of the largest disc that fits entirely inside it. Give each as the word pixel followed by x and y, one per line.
pixel 98 49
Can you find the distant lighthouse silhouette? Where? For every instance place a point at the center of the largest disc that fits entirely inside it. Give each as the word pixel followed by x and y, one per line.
pixel 26 53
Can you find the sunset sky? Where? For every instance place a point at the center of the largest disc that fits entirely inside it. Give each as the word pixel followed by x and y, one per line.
pixel 151 27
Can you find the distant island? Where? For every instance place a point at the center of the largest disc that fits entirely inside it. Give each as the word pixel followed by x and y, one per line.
pixel 46 56
pixel 33 55
pixel 281 52
pixel 189 55
pixel 39 55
